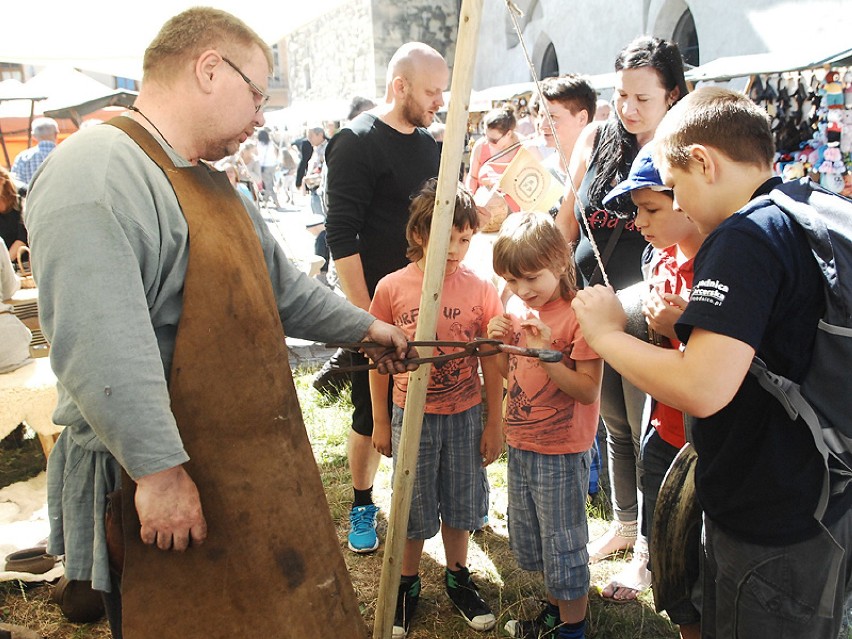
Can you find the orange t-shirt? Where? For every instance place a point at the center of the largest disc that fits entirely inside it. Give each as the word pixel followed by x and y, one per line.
pixel 467 303
pixel 539 416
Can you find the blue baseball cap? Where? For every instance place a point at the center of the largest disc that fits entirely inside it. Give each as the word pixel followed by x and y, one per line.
pixel 643 175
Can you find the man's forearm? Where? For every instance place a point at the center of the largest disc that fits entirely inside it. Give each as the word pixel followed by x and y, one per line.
pixel 350 271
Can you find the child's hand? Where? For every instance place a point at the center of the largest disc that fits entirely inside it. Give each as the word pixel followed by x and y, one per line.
pixel 663 311
pixel 536 332
pixel 491 443
pixel 382 436
pixel 500 327
pixel 599 312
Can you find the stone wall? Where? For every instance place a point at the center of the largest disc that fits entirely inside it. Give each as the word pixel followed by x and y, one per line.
pixel 346 52
pixel 434 22
pixel 588 34
pixel 332 57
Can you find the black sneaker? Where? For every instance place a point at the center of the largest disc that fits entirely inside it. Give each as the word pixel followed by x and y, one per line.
pixel 328 380
pixel 406 604
pixel 465 597
pixel 545 626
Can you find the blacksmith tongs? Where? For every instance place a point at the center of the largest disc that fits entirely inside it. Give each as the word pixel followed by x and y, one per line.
pixel 462 349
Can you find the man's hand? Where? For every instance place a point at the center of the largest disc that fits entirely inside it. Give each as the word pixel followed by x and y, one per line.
pixel 599 312
pixel 389 360
pixel 169 510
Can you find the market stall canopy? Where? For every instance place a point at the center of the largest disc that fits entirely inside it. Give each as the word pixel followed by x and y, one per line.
pixel 61 86
pixel 300 114
pixel 118 98
pixel 485 99
pixel 766 64
pixel 16 90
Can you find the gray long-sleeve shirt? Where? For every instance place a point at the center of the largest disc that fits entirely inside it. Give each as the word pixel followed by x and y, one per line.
pixel 110 249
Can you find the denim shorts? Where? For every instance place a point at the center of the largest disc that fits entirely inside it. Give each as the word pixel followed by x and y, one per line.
pixel 765 592
pixel 451 485
pixel 548 529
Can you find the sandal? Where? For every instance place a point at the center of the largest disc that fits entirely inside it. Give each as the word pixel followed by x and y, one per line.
pixel 635 578
pixel 621 535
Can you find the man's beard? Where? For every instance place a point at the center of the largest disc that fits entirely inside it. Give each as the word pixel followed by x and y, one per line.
pixel 414 115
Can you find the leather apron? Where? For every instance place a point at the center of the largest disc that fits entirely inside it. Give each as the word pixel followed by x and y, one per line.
pixel 271 565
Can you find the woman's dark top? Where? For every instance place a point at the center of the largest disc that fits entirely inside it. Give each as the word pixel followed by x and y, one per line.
pixel 624 265
pixel 12 228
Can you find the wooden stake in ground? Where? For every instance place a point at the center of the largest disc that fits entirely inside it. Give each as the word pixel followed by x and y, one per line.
pixel 433 281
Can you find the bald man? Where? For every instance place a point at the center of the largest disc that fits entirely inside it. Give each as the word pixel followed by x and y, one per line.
pixel 375 164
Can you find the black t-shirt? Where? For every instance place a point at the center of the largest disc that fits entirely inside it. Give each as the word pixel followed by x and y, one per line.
pixel 373 172
pixel 12 228
pixel 759 474
pixel 624 265
pixel 306 149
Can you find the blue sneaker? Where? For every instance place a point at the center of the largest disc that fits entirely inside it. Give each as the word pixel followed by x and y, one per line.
pixel 362 529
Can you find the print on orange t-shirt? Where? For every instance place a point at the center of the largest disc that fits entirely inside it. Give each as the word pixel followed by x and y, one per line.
pixel 467 303
pixel 539 416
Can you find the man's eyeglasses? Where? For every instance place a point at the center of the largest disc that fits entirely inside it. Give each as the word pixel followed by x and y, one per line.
pixel 264 97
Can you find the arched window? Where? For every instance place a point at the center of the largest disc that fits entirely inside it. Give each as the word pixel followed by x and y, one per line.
pixel 549 62
pixel 686 38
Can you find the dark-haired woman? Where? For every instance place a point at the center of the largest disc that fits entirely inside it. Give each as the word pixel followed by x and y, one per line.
pixel 649 80
pixel 12 228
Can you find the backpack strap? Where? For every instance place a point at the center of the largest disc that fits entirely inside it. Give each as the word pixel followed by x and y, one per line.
pixel 789 394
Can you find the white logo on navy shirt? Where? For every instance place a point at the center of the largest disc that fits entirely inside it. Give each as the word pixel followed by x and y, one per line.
pixel 710 291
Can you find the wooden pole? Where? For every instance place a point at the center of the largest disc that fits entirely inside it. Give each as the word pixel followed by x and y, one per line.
pixel 433 281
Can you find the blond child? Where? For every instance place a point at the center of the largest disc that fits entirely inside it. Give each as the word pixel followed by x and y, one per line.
pixel 451 487
pixel 550 421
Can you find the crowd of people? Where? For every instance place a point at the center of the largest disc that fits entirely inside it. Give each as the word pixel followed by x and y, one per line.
pixel 663 200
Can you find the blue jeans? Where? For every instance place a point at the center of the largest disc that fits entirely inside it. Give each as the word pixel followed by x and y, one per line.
pixel 317 205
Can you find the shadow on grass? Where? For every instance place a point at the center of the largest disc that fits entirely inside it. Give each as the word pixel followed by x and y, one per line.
pixel 511 591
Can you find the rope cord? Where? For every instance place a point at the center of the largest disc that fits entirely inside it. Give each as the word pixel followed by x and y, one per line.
pixel 514 13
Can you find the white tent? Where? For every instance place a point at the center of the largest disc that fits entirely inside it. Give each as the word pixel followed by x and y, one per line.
pixel 61 86
pixel 300 114
pixel 796 59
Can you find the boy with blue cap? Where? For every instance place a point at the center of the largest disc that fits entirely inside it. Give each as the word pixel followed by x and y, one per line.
pixel 667 268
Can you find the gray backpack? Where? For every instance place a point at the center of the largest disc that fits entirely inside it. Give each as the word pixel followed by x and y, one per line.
pixel 824 399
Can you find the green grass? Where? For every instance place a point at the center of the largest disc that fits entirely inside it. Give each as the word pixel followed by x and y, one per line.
pixel 512 592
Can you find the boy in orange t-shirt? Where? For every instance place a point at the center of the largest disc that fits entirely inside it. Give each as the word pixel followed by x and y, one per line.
pixel 451 487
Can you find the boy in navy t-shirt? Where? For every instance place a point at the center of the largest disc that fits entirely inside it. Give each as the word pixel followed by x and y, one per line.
pixel 770 568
